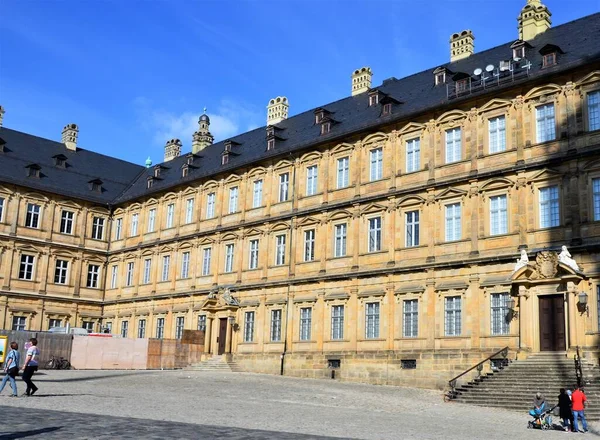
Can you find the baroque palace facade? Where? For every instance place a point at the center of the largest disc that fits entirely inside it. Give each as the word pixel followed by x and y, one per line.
pixel 378 234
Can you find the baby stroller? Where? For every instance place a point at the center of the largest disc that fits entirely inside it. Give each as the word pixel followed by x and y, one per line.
pixel 542 418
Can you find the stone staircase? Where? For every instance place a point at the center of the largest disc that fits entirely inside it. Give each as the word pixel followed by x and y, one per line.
pixel 513 387
pixel 215 363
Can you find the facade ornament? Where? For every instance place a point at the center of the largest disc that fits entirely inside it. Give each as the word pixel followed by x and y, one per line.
pixel 228 298
pixel 518 102
pixel 546 264
pixel 523 261
pixel 565 258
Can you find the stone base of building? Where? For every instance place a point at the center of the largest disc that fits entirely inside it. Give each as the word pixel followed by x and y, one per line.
pixel 423 369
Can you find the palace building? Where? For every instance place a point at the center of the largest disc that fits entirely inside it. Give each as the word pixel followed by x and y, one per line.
pixel 399 235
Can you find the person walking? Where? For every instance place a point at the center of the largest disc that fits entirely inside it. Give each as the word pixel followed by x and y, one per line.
pixel 11 368
pixel 564 404
pixel 30 366
pixel 578 401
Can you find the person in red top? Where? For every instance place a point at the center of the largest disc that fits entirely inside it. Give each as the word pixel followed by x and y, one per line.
pixel 578 400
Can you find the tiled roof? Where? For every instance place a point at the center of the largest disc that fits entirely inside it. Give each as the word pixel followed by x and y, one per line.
pixel 579 40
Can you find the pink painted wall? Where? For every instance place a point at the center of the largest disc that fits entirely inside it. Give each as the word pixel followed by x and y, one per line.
pixel 96 353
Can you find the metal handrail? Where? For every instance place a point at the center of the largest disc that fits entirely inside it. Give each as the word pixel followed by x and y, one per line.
pixel 479 366
pixel 578 370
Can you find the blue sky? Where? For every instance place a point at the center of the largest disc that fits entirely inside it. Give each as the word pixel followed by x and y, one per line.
pixel 135 73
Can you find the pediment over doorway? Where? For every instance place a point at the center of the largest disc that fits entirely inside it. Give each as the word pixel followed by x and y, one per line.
pixel 220 299
pixel 548 266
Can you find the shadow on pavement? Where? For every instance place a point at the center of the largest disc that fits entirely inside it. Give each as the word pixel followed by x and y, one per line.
pixel 91 378
pixel 23 434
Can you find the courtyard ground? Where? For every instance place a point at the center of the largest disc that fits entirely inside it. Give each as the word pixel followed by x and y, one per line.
pixel 216 405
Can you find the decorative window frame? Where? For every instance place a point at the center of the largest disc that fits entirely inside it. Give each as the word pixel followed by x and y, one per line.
pixel 544 179
pixel 444 291
pixel 409 292
pixel 493 188
pixel 372 296
pixel 410 131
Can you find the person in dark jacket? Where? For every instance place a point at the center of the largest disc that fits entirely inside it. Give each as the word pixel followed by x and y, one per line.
pixel 564 403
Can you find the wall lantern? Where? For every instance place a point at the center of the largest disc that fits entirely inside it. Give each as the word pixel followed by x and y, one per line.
pixel 583 298
pixel 582 304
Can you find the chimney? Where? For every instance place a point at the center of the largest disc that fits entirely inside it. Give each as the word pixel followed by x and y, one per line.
pixel 277 110
pixel 461 45
pixel 69 136
pixel 1 115
pixel 172 149
pixel 533 20
pixel 361 80
pixel 202 138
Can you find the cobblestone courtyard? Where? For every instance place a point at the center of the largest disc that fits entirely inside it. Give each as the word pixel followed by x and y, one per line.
pixel 209 405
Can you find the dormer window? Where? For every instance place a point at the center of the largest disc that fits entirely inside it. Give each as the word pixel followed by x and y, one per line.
pixel 190 159
pixel 387 109
pixel 95 185
pixel 185 171
pixel 550 54
pixel 157 171
pixel 461 85
pixel 270 144
pixel 33 170
pixel 228 147
pixel 373 99
pixel 60 160
pixel 325 127
pixel 519 53
pixel 225 159
pixel 439 75
pixel 150 182
pixel 549 59
pixel 319 117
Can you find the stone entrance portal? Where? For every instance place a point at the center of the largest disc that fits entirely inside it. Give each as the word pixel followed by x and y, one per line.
pixel 552 323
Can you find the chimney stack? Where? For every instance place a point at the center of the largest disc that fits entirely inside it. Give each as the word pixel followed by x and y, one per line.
pixel 172 149
pixel 533 20
pixel 202 138
pixel 69 136
pixel 361 80
pixel 1 115
pixel 461 45
pixel 277 110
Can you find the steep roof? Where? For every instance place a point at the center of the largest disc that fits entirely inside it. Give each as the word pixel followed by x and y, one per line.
pixel 73 179
pixel 416 93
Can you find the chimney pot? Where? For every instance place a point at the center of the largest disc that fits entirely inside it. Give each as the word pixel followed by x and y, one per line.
pixel 461 45
pixel 277 110
pixel 361 80
pixel 172 149
pixel 69 136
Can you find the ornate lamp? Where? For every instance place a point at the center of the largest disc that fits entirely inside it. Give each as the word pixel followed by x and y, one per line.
pixel 582 303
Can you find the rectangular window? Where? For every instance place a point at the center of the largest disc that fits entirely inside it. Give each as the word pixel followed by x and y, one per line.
pixel 452 322
pixel 66 222
pixel 593 101
pixel 166 263
pixel 500 322
pixel 210 205
pixel 453 222
pixel 108 327
pixel 229 248
pixel 376 164
pixel 19 323
pixel 305 323
pixel 375 234
pixel 545 123
pixel 118 228
pixel 60 272
pixel 189 211
pixel 160 328
pixel 257 193
pixel 453 145
pixel 340 240
pixel 113 276
pixel 26 267
pixel 372 320
pixel 412 228
pixel 170 215
pixel 2 209
pixel 410 318
pixel 32 218
pixel 284 182
pixel 185 265
pixel 179 325
pixel 497 133
pixel 129 277
pixel 549 207
pixel 311 180
pixel 248 326
pixel 413 155
pixel 276 325
pixel 280 250
pixel 147 271
pixel 253 257
pixel 141 329
pixel 206 255
pixel 124 328
pixel 309 245
pixel 53 322
pixel 88 325
pixel 343 172
pixel 596 198
pixel 134 224
pixel 93 276
pixel 233 199
pixel 498 215
pixel 337 322
pixel 202 323
pixel 97 228
pixel 152 220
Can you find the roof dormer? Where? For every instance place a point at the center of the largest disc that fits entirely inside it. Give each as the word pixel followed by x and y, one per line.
pixel 3 148
pixel 95 185
pixel 33 170
pixel 439 75
pixel 273 135
pixel 519 49
pixel 374 96
pixel 388 103
pixel 60 160
pixel 550 54
pixel 320 114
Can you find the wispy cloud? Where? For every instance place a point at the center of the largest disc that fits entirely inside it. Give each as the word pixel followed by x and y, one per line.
pixel 229 119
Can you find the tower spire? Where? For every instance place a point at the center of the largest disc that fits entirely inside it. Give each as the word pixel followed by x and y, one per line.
pixel 202 138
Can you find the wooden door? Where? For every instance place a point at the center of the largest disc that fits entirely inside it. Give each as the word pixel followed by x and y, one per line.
pixel 222 338
pixel 552 323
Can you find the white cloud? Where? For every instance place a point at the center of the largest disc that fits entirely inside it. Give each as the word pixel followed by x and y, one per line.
pixel 229 119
